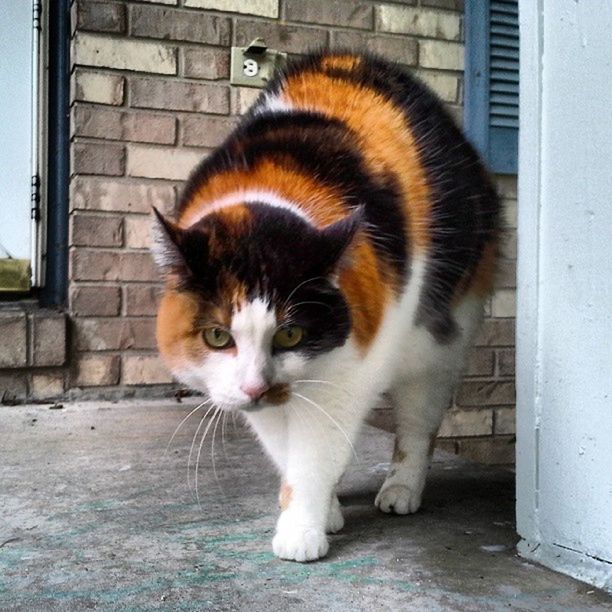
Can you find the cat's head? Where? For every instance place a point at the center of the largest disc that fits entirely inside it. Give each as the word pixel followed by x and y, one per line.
pixel 251 300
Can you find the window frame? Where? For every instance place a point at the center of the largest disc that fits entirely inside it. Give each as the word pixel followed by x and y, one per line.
pixel 54 288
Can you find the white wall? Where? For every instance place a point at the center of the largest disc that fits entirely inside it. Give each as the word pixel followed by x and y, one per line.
pixel 564 344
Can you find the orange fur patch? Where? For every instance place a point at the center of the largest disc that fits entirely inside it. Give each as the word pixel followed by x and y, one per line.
pixel 278 394
pixel 181 319
pixel 364 287
pixel 340 62
pixel 323 204
pixel 284 496
pixel 481 283
pixel 385 137
pixel 176 337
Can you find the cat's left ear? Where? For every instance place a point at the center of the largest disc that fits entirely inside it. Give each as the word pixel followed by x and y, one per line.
pixel 340 236
pixel 165 243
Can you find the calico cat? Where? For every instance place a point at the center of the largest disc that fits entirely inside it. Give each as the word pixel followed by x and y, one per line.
pixel 339 244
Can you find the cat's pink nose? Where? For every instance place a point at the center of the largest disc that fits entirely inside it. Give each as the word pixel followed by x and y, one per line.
pixel 254 390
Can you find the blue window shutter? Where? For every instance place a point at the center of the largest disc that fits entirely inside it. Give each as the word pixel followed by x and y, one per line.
pixel 491 81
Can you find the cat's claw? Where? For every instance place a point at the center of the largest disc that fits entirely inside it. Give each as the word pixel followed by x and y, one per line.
pixel 398 499
pixel 335 520
pixel 300 544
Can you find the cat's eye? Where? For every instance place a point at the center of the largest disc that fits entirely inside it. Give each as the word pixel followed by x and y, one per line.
pixel 218 338
pixel 288 337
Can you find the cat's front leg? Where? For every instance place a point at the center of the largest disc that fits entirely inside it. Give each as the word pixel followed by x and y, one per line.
pixel 270 425
pixel 318 450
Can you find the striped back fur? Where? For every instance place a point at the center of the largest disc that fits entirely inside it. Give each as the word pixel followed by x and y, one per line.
pixel 346 171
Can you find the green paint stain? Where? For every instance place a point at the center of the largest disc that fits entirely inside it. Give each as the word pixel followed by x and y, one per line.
pixel 101 504
pixel 231 537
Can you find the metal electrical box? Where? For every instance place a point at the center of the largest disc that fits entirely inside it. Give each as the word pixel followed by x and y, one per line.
pixel 254 65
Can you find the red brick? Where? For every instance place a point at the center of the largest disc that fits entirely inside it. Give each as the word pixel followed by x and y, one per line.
pixel 485 393
pixel 402 50
pixel 496 332
pixel 97 370
pixel 144 369
pixel 13 331
pixel 99 16
pixel 331 12
pixel 13 386
pixel 481 362
pixel 96 230
pixel 506 362
pixel 138 267
pixel 133 196
pixel 48 339
pixel 113 124
pixel 491 451
pixel 47 385
pixel 206 131
pixel 138 231
pixel 96 300
pixel 467 423
pixel 209 64
pixel 453 5
pixel 179 96
pixel 506 274
pixel 288 38
pixel 86 264
pixel 94 158
pixel 505 420
pixel 114 333
pixel 173 24
pixel 91 86
pixel 101 265
pixel 142 299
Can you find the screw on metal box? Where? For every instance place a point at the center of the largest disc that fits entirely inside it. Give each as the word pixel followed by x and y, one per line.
pixel 255 64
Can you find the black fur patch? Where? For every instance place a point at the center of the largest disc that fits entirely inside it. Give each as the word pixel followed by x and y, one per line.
pixel 278 257
pixel 320 147
pixel 465 206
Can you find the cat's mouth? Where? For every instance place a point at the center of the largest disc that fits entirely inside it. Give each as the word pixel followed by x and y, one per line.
pixel 275 396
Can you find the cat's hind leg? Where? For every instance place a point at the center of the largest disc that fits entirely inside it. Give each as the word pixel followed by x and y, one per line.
pixel 419 405
pixel 335 519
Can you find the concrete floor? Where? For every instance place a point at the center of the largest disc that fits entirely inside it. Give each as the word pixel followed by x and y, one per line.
pixel 94 515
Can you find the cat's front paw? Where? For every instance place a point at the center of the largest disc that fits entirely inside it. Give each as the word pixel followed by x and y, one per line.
pixel 300 543
pixel 398 499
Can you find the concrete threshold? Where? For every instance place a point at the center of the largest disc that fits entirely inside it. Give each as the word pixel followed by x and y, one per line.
pixel 95 514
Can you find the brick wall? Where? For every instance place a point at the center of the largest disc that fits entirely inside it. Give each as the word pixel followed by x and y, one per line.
pixel 151 96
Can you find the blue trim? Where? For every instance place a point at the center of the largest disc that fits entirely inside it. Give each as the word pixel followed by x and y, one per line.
pixel 58 166
pixel 476 98
pixel 498 146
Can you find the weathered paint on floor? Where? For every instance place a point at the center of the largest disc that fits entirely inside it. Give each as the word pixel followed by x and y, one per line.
pixel 94 514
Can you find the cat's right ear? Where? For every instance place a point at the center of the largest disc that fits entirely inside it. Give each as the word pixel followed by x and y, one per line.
pixel 165 244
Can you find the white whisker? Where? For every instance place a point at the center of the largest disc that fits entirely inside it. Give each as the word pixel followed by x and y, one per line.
pixel 324 382
pixel 182 422
pixel 331 418
pixel 197 465
pixel 193 442
pixel 310 280
pixel 212 448
pixel 223 425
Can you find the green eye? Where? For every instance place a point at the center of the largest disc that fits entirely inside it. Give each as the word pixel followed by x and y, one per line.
pixel 218 338
pixel 288 337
